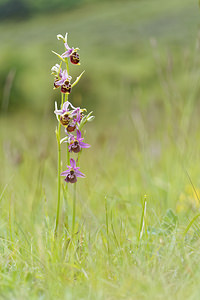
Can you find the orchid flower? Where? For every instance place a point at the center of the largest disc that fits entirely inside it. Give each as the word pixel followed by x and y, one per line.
pixel 64 82
pixel 67 116
pixel 72 172
pixel 70 52
pixel 76 143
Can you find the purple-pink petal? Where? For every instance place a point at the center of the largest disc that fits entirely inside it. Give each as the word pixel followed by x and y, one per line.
pixel 67 46
pixel 65 173
pixel 78 134
pixel 58 112
pixel 60 73
pixel 65 74
pixel 68 52
pixel 71 137
pixel 79 174
pixel 63 110
pixel 75 111
pixel 72 163
pixel 70 147
pixel 84 145
pixel 65 106
pixel 60 82
pixel 78 115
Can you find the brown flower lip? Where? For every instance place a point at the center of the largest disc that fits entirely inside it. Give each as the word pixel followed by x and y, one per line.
pixel 66 88
pixel 74 58
pixel 65 119
pixel 76 147
pixel 71 127
pixel 71 177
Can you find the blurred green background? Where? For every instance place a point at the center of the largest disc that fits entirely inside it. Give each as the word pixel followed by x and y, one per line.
pixel 142 82
pixel 120 43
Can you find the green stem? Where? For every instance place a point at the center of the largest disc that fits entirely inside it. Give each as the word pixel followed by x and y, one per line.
pixel 67 65
pixel 74 210
pixel 68 157
pixel 59 171
pixel 78 159
pixel 68 154
pixel 74 202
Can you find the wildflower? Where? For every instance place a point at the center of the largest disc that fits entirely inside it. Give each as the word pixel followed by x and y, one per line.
pixel 78 115
pixel 63 79
pixel 67 116
pixel 64 113
pixel 64 82
pixel 72 172
pixel 70 52
pixel 76 143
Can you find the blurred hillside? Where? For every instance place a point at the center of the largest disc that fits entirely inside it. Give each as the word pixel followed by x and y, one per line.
pixel 128 50
pixel 25 8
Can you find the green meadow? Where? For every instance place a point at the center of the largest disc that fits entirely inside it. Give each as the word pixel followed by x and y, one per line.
pixel 137 232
